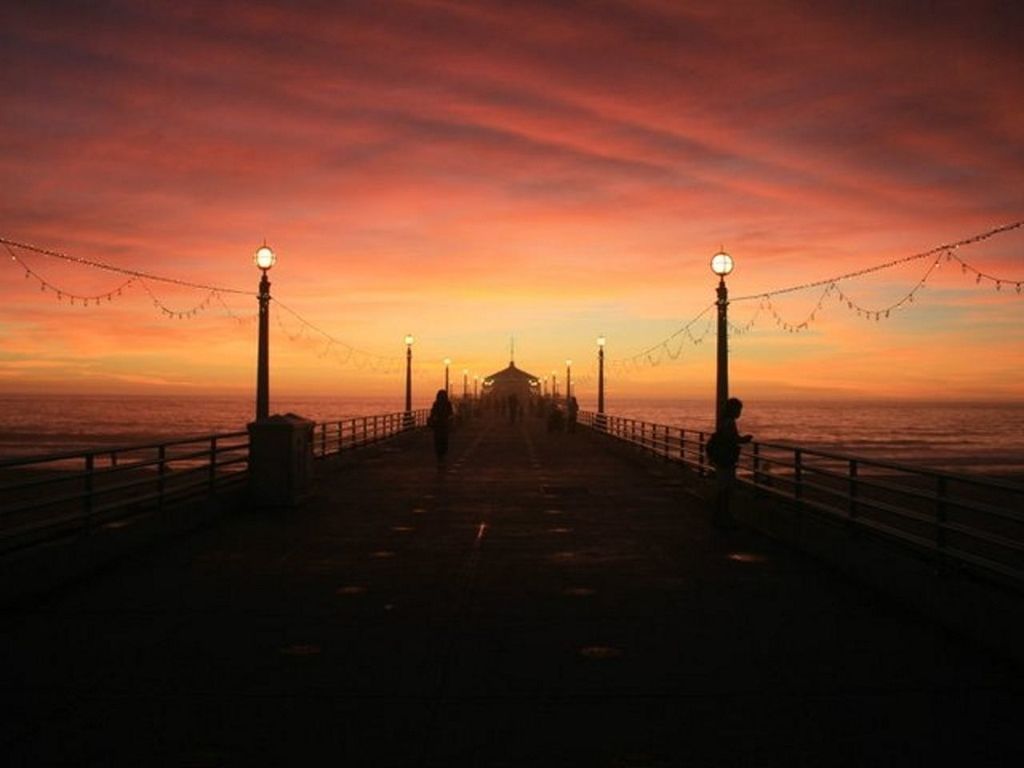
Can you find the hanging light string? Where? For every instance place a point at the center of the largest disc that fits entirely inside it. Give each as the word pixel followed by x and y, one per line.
pixel 179 314
pixel 669 347
pixel 932 252
pixel 334 347
pixel 120 270
pixel 247 319
pixel 339 350
pixel 654 355
pixel 767 305
pixel 61 294
pixel 834 290
pixel 108 296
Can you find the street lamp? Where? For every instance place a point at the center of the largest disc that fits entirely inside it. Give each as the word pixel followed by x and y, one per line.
pixel 554 386
pixel 721 265
pixel 600 379
pixel 447 363
pixel 568 380
pixel 465 383
pixel 476 385
pixel 264 259
pixel 408 379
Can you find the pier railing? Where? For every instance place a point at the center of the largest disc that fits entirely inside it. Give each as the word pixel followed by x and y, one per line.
pixel 974 522
pixel 43 498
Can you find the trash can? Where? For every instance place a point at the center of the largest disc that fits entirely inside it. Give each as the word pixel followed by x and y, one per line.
pixel 280 460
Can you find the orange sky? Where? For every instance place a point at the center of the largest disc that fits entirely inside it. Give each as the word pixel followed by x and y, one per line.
pixel 472 171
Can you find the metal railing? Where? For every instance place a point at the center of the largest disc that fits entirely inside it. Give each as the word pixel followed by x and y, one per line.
pixel 333 437
pixel 43 498
pixel 970 521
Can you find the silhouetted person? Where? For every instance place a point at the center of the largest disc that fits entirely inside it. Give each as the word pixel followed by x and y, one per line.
pixel 555 419
pixel 572 412
pixel 440 421
pixel 725 457
pixel 513 408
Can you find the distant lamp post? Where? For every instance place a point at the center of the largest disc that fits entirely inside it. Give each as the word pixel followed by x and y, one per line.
pixel 264 259
pixel 600 380
pixel 408 380
pixel 554 386
pixel 568 380
pixel 721 265
pixel 476 386
pixel 447 365
pixel 465 383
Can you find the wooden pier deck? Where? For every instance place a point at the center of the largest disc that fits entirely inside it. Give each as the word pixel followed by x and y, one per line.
pixel 542 602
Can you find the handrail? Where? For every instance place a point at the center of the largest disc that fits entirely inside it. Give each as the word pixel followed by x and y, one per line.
pixel 75 492
pixel 969 521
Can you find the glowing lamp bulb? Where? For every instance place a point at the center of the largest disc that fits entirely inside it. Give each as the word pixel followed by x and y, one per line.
pixel 721 263
pixel 265 257
pixel 447 361
pixel 600 341
pixel 408 340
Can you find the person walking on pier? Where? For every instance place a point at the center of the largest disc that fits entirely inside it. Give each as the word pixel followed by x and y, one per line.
pixel 440 421
pixel 724 453
pixel 572 410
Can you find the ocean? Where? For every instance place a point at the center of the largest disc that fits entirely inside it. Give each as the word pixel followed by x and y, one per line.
pixel 969 437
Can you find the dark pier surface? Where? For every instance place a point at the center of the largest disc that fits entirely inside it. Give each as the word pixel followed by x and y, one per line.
pixel 546 601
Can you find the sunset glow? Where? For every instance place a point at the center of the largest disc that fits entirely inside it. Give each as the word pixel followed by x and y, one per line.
pixel 469 173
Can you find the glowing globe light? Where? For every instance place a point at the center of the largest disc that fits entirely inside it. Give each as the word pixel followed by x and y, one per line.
pixel 721 263
pixel 600 341
pixel 408 340
pixel 265 257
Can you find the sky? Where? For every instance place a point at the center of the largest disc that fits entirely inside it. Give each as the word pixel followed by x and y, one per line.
pixel 473 172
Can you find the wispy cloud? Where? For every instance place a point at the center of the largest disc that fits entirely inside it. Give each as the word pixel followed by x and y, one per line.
pixel 472 166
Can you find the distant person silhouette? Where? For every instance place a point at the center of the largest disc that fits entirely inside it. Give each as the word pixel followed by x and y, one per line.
pixel 725 457
pixel 440 420
pixel 572 410
pixel 513 408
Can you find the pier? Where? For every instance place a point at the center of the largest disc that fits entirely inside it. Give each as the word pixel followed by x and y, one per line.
pixel 544 599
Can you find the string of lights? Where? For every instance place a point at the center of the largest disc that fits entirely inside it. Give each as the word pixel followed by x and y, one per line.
pixel 62 293
pixel 671 347
pixel 932 252
pixel 178 314
pixel 655 354
pixel 343 352
pixel 119 270
pixel 831 288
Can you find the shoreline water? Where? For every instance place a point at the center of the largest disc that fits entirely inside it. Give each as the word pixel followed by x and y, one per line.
pixel 960 436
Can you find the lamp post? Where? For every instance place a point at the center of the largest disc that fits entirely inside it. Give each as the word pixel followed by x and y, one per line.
pixel 465 383
pixel 721 265
pixel 264 259
pixel 447 363
pixel 476 387
pixel 600 375
pixel 568 380
pixel 408 378
pixel 554 387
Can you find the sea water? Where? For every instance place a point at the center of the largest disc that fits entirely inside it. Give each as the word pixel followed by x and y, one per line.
pixel 961 436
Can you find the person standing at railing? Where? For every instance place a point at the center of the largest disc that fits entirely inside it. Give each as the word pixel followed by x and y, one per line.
pixel 440 421
pixel 724 452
